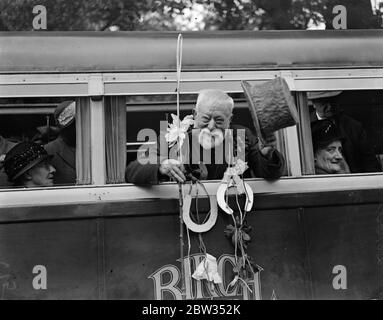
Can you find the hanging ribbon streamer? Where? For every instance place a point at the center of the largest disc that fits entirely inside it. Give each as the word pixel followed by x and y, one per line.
pixel 179 66
pixel 180 196
pixel 207 268
pixel 238 232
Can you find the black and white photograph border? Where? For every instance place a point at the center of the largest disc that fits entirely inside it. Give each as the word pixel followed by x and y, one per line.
pixel 191 150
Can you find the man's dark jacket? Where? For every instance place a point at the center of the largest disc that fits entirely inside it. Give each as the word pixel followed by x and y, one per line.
pixel 64 161
pixel 5 146
pixel 262 167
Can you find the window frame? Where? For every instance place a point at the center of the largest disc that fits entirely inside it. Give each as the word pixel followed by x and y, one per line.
pixel 98 85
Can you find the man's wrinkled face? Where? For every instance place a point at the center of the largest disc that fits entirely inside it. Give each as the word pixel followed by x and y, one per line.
pixel 41 175
pixel 330 158
pixel 213 121
pixel 323 108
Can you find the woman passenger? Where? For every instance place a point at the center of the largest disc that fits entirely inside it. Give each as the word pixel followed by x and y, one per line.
pixel 328 152
pixel 28 165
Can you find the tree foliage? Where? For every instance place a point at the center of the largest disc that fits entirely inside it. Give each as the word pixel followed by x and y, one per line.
pixel 286 14
pixel 98 15
pixel 78 15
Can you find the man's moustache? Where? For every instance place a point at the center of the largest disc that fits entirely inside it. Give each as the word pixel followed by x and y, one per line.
pixel 210 139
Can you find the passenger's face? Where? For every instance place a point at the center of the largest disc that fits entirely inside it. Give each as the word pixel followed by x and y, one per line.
pixel 41 175
pixel 323 108
pixel 330 158
pixel 212 117
pixel 212 120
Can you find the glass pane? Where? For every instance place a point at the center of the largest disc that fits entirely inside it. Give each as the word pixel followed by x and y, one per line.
pixel 38 141
pixel 151 114
pixel 346 131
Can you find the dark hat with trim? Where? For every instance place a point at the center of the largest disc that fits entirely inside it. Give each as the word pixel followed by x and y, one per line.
pixel 23 157
pixel 271 105
pixel 315 95
pixel 325 132
pixel 65 113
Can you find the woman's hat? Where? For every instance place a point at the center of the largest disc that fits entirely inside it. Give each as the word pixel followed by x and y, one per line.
pixel 324 132
pixel 65 113
pixel 23 157
pixel 271 105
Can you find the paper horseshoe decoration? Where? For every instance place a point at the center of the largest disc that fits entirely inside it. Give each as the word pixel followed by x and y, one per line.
pixel 195 227
pixel 221 192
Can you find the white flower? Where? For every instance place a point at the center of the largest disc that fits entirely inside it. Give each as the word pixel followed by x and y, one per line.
pixel 240 166
pixel 177 130
pixel 208 269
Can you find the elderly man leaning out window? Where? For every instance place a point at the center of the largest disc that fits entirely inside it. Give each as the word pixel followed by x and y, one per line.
pixel 212 118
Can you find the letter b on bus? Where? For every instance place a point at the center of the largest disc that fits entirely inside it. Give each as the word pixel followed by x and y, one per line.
pixel 340 280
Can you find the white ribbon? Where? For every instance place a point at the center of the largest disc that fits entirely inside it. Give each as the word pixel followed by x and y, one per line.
pixel 208 269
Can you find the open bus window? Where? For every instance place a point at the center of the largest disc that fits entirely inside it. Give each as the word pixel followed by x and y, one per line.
pixel 38 142
pixel 346 132
pixel 146 121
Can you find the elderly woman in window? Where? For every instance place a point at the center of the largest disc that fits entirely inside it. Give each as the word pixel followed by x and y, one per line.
pixel 28 165
pixel 328 152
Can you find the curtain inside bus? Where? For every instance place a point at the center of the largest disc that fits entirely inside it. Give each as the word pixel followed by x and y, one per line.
pixel 115 138
pixel 83 144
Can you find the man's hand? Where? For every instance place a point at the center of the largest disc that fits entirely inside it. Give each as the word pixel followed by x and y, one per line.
pixel 173 169
pixel 268 148
pixel 267 151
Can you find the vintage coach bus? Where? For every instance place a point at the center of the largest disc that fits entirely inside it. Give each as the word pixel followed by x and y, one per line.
pixel 315 237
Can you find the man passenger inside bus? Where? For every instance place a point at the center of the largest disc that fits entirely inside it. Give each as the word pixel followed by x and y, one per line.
pixel 213 114
pixel 358 150
pixel 5 146
pixel 28 165
pixel 328 148
pixel 63 148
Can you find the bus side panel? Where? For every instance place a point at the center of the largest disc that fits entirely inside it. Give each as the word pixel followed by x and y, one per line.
pixel 131 250
pixel 134 248
pixel 67 250
pixel 344 236
pixel 142 253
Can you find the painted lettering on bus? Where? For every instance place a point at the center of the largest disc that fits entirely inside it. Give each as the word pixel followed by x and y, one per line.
pixel 167 282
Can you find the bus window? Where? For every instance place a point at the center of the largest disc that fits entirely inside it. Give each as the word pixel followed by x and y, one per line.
pixel 38 142
pixel 345 130
pixel 152 113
